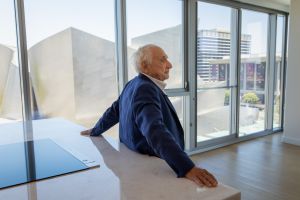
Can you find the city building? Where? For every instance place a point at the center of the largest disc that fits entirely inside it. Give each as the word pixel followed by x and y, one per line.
pixel 215 44
pixel 252 74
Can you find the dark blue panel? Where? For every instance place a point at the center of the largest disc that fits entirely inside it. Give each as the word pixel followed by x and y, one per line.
pixel 34 160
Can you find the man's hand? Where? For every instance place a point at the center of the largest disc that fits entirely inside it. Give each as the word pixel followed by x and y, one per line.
pixel 202 177
pixel 86 132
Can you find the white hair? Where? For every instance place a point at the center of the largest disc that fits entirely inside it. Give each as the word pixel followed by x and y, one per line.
pixel 143 55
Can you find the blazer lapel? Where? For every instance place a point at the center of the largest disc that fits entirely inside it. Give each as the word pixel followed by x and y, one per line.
pixel 166 99
pixel 169 103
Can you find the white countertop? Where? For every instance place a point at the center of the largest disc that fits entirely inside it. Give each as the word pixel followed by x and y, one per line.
pixel 123 174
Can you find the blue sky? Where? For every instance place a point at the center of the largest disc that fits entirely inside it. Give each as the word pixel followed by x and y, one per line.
pixel 45 18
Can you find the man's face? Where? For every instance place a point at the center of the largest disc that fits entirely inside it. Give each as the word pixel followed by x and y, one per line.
pixel 160 66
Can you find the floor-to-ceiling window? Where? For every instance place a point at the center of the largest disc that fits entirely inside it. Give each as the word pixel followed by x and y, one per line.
pixel 73 67
pixel 71 54
pixel 237 73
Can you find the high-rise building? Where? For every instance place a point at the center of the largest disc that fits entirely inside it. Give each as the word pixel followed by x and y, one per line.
pixel 215 44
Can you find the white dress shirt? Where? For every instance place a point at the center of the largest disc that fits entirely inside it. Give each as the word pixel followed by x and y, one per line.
pixel 157 82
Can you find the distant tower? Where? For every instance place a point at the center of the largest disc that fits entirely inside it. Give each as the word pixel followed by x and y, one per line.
pixel 215 44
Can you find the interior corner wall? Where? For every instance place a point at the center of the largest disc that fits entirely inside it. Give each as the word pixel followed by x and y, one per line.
pixel 292 98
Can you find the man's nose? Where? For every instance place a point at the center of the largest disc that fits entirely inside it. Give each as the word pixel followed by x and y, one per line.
pixel 169 65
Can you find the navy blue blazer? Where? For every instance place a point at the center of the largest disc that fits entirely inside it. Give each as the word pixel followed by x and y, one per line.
pixel 148 123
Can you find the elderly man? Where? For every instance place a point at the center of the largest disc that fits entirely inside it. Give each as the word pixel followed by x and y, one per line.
pixel 148 121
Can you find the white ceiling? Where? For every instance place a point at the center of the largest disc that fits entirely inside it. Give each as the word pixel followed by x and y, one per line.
pixel 283 5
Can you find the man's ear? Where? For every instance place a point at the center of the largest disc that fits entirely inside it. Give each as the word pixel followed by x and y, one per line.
pixel 144 66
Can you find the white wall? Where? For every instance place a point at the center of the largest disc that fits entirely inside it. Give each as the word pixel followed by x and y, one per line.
pixel 292 104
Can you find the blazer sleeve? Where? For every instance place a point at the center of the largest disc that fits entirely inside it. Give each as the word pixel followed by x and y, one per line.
pixel 108 119
pixel 149 119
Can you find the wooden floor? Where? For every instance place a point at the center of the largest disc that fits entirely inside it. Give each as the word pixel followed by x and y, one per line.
pixel 263 168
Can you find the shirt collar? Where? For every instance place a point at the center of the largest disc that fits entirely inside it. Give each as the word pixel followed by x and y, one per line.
pixel 157 82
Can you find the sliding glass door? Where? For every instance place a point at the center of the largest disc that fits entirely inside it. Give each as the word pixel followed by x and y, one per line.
pixel 239 70
pixel 253 65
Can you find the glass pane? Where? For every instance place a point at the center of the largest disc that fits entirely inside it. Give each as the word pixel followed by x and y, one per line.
pixel 213 71
pixel 278 74
pixel 162 28
pixel 253 73
pixel 71 59
pixel 10 91
pixel 214 46
pixel 213 114
pixel 178 105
